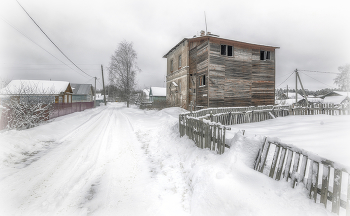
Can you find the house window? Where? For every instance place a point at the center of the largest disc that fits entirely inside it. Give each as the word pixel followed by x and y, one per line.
pixel 171 65
pixel 265 55
pixel 179 61
pixel 194 90
pixel 202 80
pixel 179 87
pixel 223 49
pixel 227 50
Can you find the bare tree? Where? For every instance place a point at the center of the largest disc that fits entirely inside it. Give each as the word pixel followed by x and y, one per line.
pixel 343 79
pixel 122 70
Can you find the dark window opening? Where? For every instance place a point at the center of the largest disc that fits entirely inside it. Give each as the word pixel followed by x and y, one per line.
pixel 202 80
pixel 194 90
pixel 264 55
pixel 229 50
pixel 267 54
pixel 171 65
pixel 180 64
pixel 223 49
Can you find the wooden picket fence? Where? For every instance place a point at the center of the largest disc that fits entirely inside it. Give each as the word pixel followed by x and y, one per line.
pixel 316 109
pixel 319 175
pixel 204 133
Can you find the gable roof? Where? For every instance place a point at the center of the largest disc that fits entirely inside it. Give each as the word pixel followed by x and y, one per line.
pixel 157 91
pixel 36 87
pixel 81 89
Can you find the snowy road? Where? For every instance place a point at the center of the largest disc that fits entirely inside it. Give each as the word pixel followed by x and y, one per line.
pixel 98 168
pixel 125 161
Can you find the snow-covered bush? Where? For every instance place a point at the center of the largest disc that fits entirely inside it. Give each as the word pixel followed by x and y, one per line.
pixel 26 110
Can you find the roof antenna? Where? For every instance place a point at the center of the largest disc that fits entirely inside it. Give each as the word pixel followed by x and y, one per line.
pixel 205 18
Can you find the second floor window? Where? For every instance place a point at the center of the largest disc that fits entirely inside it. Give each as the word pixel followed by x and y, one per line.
pixel 202 80
pixel 180 63
pixel 171 65
pixel 265 55
pixel 226 50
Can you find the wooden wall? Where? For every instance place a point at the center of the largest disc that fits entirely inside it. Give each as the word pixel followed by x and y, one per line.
pixel 239 80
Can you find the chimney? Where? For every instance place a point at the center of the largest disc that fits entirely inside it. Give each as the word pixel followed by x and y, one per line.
pixel 202 33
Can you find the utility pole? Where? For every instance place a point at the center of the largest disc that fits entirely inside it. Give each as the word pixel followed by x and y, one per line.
pixel 302 88
pixel 103 83
pixel 296 86
pixel 95 93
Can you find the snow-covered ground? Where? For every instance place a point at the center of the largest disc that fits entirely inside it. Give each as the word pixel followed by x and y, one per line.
pixel 118 161
pixel 328 136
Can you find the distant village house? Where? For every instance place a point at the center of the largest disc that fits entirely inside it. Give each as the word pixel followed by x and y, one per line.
pixel 52 91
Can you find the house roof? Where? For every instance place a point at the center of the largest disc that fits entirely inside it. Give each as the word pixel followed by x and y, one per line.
pixel 99 96
pixel 216 37
pixel 35 87
pixel 81 89
pixel 335 99
pixel 146 92
pixel 158 91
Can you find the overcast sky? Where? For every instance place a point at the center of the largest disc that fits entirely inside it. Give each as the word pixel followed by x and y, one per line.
pixel 312 35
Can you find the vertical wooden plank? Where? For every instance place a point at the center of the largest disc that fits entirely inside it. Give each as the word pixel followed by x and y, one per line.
pixel 314 181
pixel 295 168
pixel 288 164
pixel 303 169
pixel 214 138
pixel 325 183
pixel 274 161
pixel 337 191
pixel 280 164
pixel 258 159
pixel 264 156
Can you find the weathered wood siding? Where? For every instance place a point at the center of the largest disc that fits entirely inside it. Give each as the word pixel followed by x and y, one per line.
pixel 242 79
pixel 202 69
pixel 263 79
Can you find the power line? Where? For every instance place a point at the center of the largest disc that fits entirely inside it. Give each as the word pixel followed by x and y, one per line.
pixel 285 79
pixel 319 71
pixel 52 41
pixel 35 43
pixel 317 80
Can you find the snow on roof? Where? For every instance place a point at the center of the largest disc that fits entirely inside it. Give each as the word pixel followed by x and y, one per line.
pixel 99 96
pixel 81 89
pixel 158 91
pixel 342 93
pixel 174 83
pixel 146 92
pixel 35 87
pixel 335 99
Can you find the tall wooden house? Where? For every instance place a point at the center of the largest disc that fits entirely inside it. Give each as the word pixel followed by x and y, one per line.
pixel 210 71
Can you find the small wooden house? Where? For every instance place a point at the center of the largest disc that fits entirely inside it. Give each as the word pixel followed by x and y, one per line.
pixel 157 94
pixel 50 91
pixel 210 71
pixel 82 92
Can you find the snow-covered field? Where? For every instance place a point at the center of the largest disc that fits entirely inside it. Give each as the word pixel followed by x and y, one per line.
pixel 328 136
pixel 118 161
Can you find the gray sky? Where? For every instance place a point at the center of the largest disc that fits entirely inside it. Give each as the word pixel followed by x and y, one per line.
pixel 312 35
